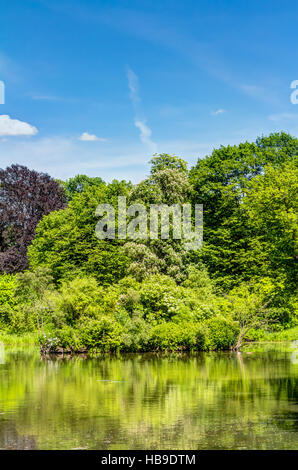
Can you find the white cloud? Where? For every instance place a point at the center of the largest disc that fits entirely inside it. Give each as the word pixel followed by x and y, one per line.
pixel 218 111
pixel 140 122
pixel 145 134
pixel 133 85
pixel 91 137
pixel 14 127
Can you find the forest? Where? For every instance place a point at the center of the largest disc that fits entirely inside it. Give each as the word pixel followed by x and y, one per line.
pixel 76 293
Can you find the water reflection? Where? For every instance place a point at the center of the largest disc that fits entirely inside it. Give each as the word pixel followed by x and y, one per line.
pixel 208 400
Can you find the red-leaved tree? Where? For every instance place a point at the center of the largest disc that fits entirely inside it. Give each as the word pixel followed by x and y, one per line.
pixel 25 197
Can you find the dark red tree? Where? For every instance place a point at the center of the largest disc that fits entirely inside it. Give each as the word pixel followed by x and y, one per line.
pixel 25 197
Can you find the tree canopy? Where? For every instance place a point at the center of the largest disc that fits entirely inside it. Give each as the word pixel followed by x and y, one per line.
pixel 82 292
pixel 25 197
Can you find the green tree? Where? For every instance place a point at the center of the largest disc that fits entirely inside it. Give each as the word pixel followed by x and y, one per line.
pixel 220 183
pixel 167 184
pixel 165 161
pixel 66 243
pixel 78 184
pixel 251 307
pixel 271 203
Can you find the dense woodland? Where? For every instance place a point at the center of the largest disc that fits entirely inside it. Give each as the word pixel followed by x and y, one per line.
pixel 80 293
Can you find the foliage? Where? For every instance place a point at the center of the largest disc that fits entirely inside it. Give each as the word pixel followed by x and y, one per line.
pixel 165 161
pixel 7 297
pixel 75 300
pixel 177 336
pixel 220 183
pixel 66 243
pixel 86 294
pixel 220 333
pixel 25 197
pixel 143 262
pixel 79 184
pixel 251 306
pixel 272 207
pixel 7 289
pixel 103 334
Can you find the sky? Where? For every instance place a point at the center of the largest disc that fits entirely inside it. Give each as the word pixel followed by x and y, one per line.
pixel 98 87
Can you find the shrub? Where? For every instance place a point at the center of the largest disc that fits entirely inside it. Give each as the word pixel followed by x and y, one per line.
pixel 220 333
pixel 7 297
pixel 68 338
pixel 79 298
pixel 136 335
pixel 176 336
pixel 20 319
pixel 31 309
pixel 7 289
pixel 101 335
pixel 159 296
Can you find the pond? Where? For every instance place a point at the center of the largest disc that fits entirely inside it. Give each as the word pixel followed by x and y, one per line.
pixel 148 401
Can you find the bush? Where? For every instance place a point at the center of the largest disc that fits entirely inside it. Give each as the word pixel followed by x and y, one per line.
pixel 7 297
pixel 101 335
pixel 68 338
pixel 160 298
pixel 21 319
pixel 220 333
pixel 79 298
pixel 7 289
pixel 136 335
pixel 177 336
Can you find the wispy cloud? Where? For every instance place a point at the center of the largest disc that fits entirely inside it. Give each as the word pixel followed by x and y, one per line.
pixel 139 119
pixel 41 97
pixel 145 133
pixel 283 117
pixel 91 137
pixel 218 111
pixel 14 127
pixel 133 85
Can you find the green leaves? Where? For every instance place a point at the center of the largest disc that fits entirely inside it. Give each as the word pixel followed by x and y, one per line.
pixel 65 241
pixel 272 206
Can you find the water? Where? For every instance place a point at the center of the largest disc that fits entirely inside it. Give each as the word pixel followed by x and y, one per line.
pixel 203 401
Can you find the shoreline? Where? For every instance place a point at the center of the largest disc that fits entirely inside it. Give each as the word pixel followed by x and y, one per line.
pixel 31 340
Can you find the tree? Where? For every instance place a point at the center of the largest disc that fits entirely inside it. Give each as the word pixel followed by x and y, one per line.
pixel 272 206
pixel 25 197
pixel 165 161
pixel 220 183
pixel 251 307
pixel 31 290
pixel 278 147
pixel 66 242
pixel 167 184
pixel 78 184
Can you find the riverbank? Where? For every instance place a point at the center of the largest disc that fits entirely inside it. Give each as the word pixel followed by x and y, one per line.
pixel 32 339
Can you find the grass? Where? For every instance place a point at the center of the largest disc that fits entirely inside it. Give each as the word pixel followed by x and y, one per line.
pixel 19 340
pixel 290 334
pixel 286 335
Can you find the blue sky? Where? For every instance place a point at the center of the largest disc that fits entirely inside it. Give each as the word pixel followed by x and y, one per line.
pixel 97 87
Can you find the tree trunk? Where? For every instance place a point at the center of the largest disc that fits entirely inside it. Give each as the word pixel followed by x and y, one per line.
pixel 239 341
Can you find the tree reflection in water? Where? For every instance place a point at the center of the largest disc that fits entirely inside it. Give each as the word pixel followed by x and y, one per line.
pixel 207 400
